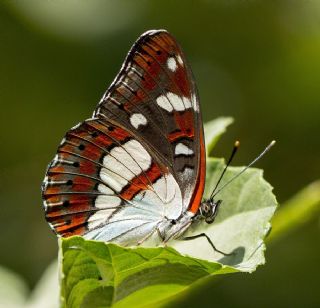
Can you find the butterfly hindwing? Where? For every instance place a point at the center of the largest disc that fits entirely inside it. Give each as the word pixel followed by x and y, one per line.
pixel 99 167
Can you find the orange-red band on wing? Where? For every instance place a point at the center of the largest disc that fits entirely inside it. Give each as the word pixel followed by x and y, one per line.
pixel 152 174
pixel 201 178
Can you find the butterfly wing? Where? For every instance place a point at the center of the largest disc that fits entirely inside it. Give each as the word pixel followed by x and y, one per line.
pixel 140 159
pixel 155 96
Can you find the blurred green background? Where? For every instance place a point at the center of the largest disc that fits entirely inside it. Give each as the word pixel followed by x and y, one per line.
pixel 258 61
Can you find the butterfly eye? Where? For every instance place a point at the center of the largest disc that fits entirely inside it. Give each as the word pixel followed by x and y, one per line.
pixel 173 222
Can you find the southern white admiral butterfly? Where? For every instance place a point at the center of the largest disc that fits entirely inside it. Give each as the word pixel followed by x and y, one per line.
pixel 135 171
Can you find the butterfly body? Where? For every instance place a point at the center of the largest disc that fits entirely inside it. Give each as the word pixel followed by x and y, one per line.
pixel 135 171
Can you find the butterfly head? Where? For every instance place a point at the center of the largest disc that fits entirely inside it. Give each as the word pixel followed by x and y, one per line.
pixel 208 210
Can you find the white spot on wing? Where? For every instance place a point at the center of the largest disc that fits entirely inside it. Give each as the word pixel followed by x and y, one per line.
pixel 117 162
pixel 195 104
pixel 138 119
pixel 176 101
pixel 139 154
pixel 112 179
pixel 182 149
pixel 173 101
pixel 163 102
pixel 172 64
pixel 105 190
pixel 105 202
pixel 187 102
pixel 124 163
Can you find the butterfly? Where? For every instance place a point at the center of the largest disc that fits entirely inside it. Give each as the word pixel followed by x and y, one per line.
pixel 135 172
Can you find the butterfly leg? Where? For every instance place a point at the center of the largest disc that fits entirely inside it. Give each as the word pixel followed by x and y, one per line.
pixel 193 237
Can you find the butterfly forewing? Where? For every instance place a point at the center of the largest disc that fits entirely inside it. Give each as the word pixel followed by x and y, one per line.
pixel 154 96
pixel 140 159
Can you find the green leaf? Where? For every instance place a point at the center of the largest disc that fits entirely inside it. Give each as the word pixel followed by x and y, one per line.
pixel 213 130
pixel 242 221
pixel 111 274
pixel 96 274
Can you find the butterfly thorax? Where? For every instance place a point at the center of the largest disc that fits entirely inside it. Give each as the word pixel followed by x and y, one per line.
pixel 175 228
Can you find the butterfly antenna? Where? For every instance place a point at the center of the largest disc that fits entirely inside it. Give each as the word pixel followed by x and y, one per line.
pixel 234 151
pixel 245 168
